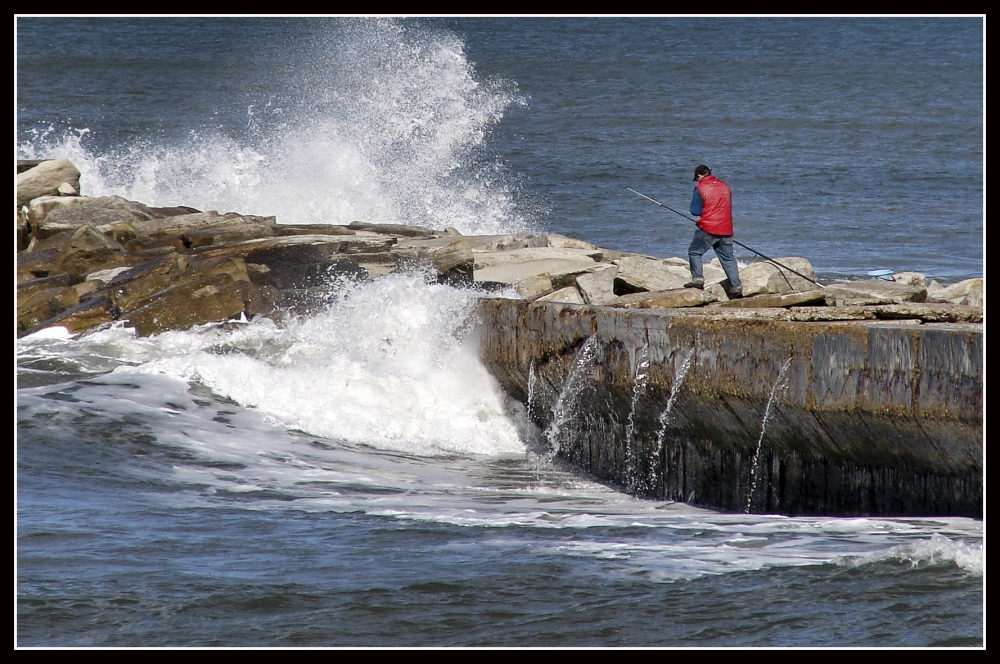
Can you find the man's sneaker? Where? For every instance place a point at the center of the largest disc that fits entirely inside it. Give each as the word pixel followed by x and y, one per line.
pixel 735 294
pixel 695 283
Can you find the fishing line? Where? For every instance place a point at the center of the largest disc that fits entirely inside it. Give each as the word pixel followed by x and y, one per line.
pixel 734 241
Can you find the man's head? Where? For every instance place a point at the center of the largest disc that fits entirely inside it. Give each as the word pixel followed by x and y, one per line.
pixel 701 171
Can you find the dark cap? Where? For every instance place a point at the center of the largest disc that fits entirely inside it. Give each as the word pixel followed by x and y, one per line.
pixel 701 170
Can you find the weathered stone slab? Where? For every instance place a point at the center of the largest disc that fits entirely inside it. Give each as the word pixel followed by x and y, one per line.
pixel 87 249
pixel 559 270
pixel 284 230
pixel 39 208
pixel 534 287
pixel 26 289
pixel 138 283
pixel 451 256
pixel 45 179
pixel 486 259
pixel 25 164
pixel 505 242
pixel 210 299
pixel 800 298
pixel 637 274
pixel 87 315
pixel 240 227
pixel 671 299
pixel 392 229
pixel 568 295
pixel 766 277
pixel 35 264
pixel 818 314
pixel 930 312
pixel 872 291
pixel 44 304
pixel 598 287
pixel 99 212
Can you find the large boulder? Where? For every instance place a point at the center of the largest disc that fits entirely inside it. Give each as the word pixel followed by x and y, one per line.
pixel 639 273
pixel 97 212
pixel 598 287
pixel 450 256
pixel 88 250
pixel 45 180
pixel 39 208
pixel 212 298
pixel 766 277
pixel 968 292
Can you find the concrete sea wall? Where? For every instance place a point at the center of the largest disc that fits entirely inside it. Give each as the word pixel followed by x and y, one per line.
pixel 863 417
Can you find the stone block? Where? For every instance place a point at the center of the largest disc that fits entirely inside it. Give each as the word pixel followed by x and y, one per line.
pixel 45 180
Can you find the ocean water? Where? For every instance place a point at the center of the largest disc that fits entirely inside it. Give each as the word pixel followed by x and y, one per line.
pixel 356 477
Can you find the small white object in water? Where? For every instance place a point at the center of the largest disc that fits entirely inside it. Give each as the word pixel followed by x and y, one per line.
pixel 885 275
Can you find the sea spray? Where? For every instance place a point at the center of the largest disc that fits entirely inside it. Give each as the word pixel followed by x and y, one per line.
pixel 381 120
pixel 778 384
pixel 565 407
pixel 532 380
pixel 388 363
pixel 640 380
pixel 675 389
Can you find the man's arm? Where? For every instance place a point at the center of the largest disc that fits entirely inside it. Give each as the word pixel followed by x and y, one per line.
pixel 697 205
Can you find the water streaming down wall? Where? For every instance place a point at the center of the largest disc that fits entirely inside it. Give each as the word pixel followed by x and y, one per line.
pixel 871 418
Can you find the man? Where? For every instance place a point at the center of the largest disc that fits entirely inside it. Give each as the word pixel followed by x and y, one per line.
pixel 712 204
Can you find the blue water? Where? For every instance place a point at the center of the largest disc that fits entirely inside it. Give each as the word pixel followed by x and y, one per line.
pixel 356 477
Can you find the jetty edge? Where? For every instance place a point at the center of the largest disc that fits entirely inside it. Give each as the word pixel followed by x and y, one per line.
pixel 863 398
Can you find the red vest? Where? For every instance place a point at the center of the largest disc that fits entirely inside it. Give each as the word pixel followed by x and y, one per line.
pixel 717 211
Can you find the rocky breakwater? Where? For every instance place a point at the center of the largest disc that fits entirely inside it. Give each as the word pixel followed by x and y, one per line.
pixel 86 262
pixel 857 398
pixel 860 397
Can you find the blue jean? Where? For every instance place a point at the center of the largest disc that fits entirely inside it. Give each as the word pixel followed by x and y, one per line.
pixel 723 246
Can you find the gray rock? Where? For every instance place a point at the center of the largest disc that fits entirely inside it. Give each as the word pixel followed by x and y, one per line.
pixel 969 292
pixel 392 229
pixel 598 287
pixel 766 277
pixel 637 274
pixel 485 259
pixel 39 208
pixel 45 180
pixel 559 270
pixel 450 256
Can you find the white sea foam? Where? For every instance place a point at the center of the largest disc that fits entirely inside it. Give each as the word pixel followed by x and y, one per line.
pixel 389 363
pixel 937 550
pixel 388 124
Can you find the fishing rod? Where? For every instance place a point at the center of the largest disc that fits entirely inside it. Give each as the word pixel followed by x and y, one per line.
pixel 767 258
